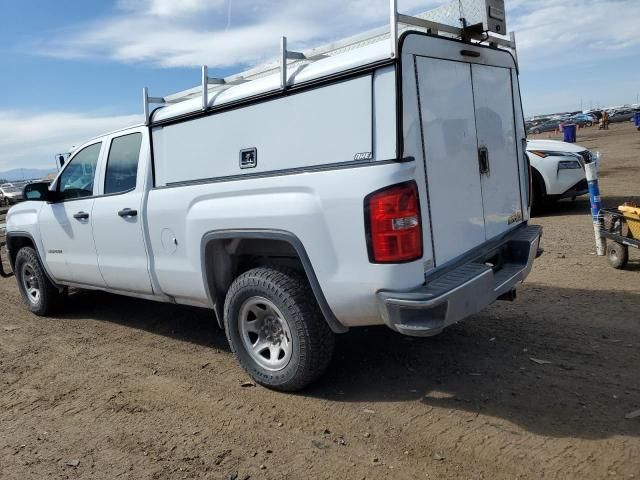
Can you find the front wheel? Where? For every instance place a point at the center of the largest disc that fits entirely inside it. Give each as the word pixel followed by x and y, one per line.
pixel 618 255
pixel 38 293
pixel 539 199
pixel 276 329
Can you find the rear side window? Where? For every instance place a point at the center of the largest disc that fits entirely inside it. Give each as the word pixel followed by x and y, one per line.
pixel 77 179
pixel 122 164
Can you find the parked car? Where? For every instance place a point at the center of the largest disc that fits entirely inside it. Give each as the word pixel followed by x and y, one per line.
pixel 10 195
pixel 621 116
pixel 548 126
pixel 581 120
pixel 595 114
pixel 558 170
pixel 358 219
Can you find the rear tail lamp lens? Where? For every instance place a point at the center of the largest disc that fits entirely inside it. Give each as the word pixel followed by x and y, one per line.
pixel 393 224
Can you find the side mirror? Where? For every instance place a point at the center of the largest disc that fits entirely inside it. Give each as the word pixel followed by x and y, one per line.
pixel 38 192
pixel 61 160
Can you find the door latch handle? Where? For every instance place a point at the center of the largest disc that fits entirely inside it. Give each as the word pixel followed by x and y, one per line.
pixel 128 213
pixel 81 216
pixel 483 160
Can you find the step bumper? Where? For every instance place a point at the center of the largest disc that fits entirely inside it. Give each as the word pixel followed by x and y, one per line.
pixel 463 291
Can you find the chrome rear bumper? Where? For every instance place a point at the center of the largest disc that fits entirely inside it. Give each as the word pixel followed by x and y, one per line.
pixel 463 291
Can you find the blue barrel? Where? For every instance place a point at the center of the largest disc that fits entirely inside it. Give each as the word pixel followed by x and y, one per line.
pixel 570 131
pixel 637 117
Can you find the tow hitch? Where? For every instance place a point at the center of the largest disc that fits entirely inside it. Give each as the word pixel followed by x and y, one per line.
pixel 510 296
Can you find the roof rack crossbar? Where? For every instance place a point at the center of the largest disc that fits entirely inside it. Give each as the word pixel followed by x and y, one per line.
pixel 398 24
pixel 147 100
pixel 285 56
pixel 206 81
pixel 393 27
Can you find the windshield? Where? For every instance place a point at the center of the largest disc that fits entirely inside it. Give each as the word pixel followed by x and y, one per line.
pixel 10 190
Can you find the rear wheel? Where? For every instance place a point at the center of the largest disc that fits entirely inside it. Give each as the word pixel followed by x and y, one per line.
pixel 617 254
pixel 276 330
pixel 38 293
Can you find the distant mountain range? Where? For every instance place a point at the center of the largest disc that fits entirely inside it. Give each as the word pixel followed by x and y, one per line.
pixel 25 174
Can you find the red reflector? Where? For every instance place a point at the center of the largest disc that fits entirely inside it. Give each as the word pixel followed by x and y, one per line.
pixel 395 233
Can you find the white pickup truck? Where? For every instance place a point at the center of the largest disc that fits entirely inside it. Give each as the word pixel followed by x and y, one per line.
pixel 385 183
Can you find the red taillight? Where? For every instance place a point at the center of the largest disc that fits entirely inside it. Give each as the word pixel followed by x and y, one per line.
pixel 393 224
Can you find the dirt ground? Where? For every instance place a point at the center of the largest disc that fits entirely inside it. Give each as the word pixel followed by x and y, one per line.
pixel 122 388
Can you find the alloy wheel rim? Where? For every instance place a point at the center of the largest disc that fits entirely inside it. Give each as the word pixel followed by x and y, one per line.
pixel 30 283
pixel 265 334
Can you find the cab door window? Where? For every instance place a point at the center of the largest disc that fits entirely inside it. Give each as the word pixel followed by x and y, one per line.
pixel 76 181
pixel 122 164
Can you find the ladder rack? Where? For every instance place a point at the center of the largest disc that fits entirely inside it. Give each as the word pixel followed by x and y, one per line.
pixel 430 22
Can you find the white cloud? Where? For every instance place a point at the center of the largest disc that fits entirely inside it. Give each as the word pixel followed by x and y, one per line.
pixel 225 33
pixel 169 8
pixel 552 33
pixel 220 33
pixel 31 140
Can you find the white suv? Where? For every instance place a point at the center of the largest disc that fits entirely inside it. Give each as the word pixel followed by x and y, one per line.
pixel 558 170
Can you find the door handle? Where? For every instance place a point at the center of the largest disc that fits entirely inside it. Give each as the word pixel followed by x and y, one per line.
pixel 483 160
pixel 81 216
pixel 128 213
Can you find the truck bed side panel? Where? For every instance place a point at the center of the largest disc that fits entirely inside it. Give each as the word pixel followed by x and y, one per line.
pixel 324 210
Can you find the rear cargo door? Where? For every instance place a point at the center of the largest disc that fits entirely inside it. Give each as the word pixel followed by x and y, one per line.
pixel 471 154
pixel 497 148
pixel 451 154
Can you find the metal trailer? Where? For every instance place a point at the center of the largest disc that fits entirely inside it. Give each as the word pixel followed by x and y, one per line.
pixel 622 231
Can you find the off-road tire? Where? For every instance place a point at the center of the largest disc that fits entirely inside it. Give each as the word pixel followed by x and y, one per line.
pixel 50 297
pixel 617 254
pixel 312 339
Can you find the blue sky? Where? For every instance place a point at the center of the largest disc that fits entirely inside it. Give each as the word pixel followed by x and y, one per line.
pixel 72 69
